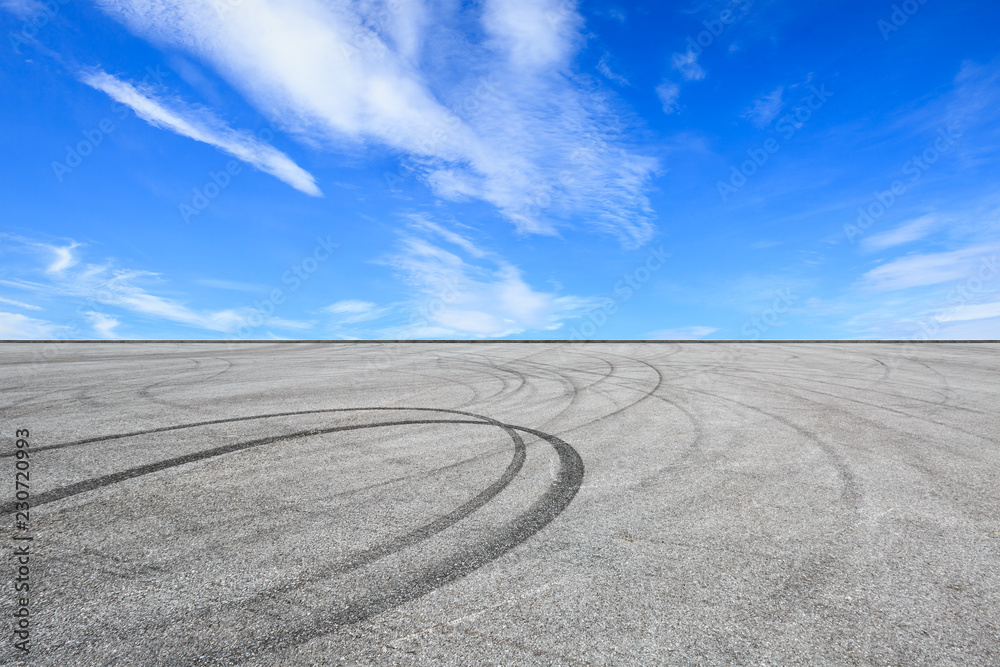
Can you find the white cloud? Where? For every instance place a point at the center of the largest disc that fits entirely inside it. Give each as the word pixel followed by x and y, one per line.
pixel 506 121
pixel 65 258
pixel 536 34
pixel 232 285
pixel 19 304
pixel 911 231
pixel 978 311
pixel 981 329
pixel 687 65
pixel 927 269
pixel 351 307
pixel 201 125
pixel 106 285
pixel 23 9
pixel 605 70
pixel 103 325
pixel 478 296
pixel 668 94
pixel 353 312
pixel 489 299
pixel 765 109
pixel 16 326
pixel 682 333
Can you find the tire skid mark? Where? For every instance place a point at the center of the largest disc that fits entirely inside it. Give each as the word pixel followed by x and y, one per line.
pixel 868 389
pixel 393 546
pixel 500 374
pixel 954 451
pixel 577 391
pixel 186 380
pixel 556 498
pixel 851 494
pixel 879 407
pixel 645 391
pixel 805 572
pixel 97 482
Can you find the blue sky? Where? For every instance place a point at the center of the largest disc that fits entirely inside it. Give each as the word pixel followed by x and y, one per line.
pixel 537 169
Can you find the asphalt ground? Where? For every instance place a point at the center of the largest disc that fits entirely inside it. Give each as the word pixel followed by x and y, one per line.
pixel 542 503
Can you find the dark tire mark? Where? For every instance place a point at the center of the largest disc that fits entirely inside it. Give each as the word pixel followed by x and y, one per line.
pixel 558 496
pixel 555 499
pixel 122 475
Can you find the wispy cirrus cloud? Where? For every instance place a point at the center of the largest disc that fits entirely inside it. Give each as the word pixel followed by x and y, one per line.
pixel 905 233
pixel 64 257
pixel 919 270
pixel 15 326
pixel 458 289
pixel 103 285
pixel 766 108
pixel 540 144
pixel 979 311
pixel 687 64
pixel 19 304
pixel 201 125
pixel 353 311
pixel 605 69
pixel 23 9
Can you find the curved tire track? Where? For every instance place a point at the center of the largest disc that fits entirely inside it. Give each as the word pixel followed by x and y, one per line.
pixel 555 499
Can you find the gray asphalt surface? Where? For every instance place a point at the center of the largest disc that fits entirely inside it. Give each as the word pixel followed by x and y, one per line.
pixel 507 504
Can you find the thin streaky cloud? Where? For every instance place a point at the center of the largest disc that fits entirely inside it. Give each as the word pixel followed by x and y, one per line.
pixel 605 69
pixel 104 284
pixel 906 233
pixel 920 270
pixel 19 304
pixel 201 125
pixel 351 306
pixel 979 311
